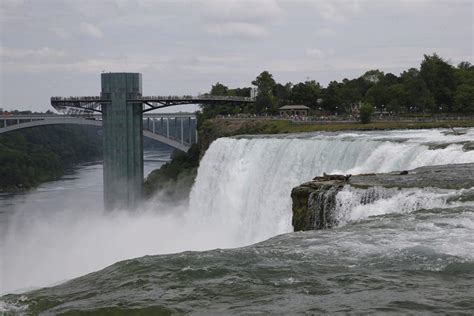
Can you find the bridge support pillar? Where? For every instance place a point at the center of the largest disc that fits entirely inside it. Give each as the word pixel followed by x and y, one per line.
pixel 189 132
pixel 123 140
pixel 182 131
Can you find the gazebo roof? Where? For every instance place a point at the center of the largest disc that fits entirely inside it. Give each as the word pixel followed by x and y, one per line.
pixel 294 107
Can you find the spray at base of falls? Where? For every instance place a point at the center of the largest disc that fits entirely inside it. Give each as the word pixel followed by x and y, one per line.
pixel 241 196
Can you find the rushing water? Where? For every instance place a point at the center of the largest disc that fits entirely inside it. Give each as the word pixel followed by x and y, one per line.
pixel 42 230
pixel 385 257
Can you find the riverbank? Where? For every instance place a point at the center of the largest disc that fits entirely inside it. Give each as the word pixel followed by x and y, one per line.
pixel 175 178
pixel 32 156
pixel 179 174
pixel 232 127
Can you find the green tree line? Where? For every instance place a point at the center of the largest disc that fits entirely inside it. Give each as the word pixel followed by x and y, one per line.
pixel 31 156
pixel 435 87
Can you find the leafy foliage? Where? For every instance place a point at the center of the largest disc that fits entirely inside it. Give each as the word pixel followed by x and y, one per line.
pixel 31 156
pixel 266 101
pixel 439 77
pixel 365 112
pixel 437 86
pixel 175 178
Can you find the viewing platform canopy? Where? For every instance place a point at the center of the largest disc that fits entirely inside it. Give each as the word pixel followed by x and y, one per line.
pixel 149 103
pixel 288 110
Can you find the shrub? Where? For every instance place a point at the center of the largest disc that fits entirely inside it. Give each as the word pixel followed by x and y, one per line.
pixel 365 112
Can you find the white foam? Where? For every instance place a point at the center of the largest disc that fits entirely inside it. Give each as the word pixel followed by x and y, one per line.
pixel 241 196
pixel 350 205
pixel 246 183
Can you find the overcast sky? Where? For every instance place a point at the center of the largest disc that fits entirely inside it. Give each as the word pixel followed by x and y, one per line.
pixel 60 47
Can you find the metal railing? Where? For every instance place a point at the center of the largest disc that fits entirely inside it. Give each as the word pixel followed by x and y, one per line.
pixel 207 97
pixel 159 97
pixel 86 98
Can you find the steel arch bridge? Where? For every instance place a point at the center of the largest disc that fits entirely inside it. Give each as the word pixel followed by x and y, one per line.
pixel 121 107
pixel 177 130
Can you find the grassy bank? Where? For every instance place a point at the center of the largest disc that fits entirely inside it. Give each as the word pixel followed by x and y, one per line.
pixel 231 127
pixel 176 178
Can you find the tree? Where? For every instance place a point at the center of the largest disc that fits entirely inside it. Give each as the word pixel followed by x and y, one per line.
pixel 282 92
pixel 239 92
pixel 219 89
pixel 390 79
pixel 265 99
pixel 464 74
pixel 264 83
pixel 377 95
pixel 396 96
pixel 350 92
pixel 464 98
pixel 332 97
pixel 439 77
pixel 418 97
pixel 209 111
pixel 465 65
pixel 373 76
pixel 306 93
pixel 365 113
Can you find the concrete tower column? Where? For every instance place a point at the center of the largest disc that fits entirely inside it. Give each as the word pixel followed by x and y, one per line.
pixel 123 140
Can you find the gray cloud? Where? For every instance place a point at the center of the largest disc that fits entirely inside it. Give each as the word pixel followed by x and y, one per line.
pixel 60 47
pixel 91 30
pixel 43 52
pixel 238 30
pixel 243 19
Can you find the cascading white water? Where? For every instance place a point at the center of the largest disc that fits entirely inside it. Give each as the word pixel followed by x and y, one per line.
pixel 245 183
pixel 355 204
pixel 241 196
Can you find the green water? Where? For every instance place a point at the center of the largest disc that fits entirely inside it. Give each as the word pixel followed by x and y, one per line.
pixel 395 263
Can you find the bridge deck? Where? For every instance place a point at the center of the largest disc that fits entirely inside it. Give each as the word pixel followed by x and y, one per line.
pixel 94 103
pixel 90 116
pixel 29 121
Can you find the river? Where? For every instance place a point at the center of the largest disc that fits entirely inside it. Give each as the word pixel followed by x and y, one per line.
pixel 410 252
pixel 42 212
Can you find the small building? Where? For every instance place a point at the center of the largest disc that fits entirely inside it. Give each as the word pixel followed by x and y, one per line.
pixel 289 110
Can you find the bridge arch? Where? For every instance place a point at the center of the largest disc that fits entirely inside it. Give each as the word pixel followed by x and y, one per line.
pixel 81 121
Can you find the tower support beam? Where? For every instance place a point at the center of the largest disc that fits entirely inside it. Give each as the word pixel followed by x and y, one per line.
pixel 123 140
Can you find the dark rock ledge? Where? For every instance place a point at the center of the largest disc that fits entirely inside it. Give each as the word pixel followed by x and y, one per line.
pixel 314 201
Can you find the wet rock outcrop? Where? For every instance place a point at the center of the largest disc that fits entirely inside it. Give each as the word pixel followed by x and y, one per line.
pixel 314 202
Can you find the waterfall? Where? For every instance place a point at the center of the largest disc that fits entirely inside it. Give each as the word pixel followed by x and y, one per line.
pixel 322 202
pixel 245 183
pixel 242 195
pixel 353 204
